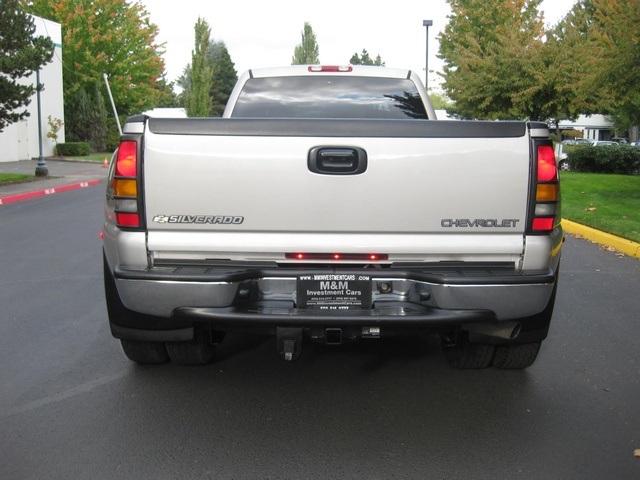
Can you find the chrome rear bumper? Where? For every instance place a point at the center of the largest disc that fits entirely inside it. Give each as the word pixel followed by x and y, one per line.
pixel 269 295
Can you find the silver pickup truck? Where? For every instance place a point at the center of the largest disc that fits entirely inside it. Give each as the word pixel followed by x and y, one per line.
pixel 330 205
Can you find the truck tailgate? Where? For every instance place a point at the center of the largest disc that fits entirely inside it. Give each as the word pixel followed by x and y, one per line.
pixel 416 195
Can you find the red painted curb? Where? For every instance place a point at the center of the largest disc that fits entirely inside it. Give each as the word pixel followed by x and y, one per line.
pixel 19 197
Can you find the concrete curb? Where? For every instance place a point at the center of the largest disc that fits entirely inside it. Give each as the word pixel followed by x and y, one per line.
pixel 623 245
pixel 19 197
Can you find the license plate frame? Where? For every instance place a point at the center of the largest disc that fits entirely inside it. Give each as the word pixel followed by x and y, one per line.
pixel 334 292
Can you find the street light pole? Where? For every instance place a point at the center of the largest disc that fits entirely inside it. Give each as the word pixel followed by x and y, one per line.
pixel 427 23
pixel 42 170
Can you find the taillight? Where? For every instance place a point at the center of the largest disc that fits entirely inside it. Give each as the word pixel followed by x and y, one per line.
pixel 547 170
pixel 127 160
pixel 125 185
pixel 546 193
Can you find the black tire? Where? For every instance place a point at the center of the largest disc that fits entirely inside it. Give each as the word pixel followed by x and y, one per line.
pixel 467 355
pixel 564 166
pixel 516 357
pixel 145 353
pixel 198 351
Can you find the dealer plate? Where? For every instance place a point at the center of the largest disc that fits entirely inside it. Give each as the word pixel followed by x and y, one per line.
pixel 334 292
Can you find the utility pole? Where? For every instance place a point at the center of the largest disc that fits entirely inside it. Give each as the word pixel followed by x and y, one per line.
pixel 427 23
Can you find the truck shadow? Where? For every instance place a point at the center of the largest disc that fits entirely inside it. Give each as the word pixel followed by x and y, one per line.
pixel 376 349
pixel 356 406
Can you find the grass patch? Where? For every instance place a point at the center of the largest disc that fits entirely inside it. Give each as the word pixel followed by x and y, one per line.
pixel 9 178
pixel 610 203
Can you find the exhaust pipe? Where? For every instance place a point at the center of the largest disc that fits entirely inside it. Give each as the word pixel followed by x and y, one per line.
pixel 502 330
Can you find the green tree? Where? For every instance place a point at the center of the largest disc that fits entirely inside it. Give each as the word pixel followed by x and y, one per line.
pixel 98 134
pixel 572 60
pixel 494 63
pixel 365 59
pixel 568 62
pixel 169 98
pixel 440 101
pixel 21 54
pixel 86 118
pixel 114 37
pixel 198 98
pixel 55 125
pixel 597 61
pixel 224 79
pixel 617 47
pixel 77 114
pixel 307 52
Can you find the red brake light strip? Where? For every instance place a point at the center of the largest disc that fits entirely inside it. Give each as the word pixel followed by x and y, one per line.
pixel 361 257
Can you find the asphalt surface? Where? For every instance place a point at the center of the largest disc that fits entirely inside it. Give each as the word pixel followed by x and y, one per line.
pixel 72 406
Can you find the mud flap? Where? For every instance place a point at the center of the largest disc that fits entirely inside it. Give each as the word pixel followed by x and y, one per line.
pixel 289 343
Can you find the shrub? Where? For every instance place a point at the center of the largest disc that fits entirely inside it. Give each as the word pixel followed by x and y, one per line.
pixel 73 149
pixel 55 124
pixel 620 159
pixel 572 134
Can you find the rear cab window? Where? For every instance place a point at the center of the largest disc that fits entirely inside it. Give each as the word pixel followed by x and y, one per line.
pixel 330 97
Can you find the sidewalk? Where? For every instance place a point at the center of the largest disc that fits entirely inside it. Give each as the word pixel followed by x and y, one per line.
pixel 63 176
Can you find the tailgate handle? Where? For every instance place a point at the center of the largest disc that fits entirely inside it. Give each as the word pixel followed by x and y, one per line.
pixel 337 160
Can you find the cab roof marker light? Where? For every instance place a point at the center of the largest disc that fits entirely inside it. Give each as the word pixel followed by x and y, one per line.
pixel 330 68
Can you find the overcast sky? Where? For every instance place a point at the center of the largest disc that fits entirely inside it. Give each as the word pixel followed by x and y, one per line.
pixel 264 33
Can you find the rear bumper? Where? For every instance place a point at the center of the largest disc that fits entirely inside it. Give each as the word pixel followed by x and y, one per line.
pixel 384 314
pixel 265 297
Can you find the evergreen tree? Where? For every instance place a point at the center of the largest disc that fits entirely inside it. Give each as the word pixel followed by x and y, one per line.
pixel 21 54
pixel 224 79
pixel 169 98
pixel 98 133
pixel 78 116
pixel 198 99
pixel 365 59
pixel 307 52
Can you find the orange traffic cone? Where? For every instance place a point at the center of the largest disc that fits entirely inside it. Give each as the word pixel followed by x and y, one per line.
pixel 106 163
